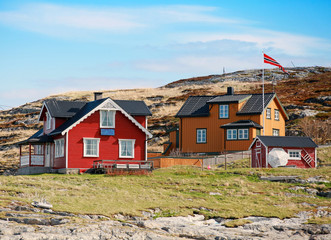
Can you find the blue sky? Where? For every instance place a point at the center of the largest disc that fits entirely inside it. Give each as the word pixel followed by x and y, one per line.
pixel 50 47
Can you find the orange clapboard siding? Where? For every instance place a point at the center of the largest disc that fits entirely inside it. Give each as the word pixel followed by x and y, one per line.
pixel 216 135
pixel 271 124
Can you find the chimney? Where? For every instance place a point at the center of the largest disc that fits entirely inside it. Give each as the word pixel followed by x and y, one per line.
pixel 230 91
pixel 97 95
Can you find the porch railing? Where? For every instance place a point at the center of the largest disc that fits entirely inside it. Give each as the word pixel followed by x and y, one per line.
pixel 37 160
pixel 123 164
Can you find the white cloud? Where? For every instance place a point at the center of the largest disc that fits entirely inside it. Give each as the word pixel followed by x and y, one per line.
pixel 56 19
pixel 285 43
pixel 64 20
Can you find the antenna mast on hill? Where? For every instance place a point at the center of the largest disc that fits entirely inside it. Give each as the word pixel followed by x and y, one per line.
pixel 223 70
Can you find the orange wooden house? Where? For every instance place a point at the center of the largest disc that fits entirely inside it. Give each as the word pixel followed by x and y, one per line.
pixel 230 122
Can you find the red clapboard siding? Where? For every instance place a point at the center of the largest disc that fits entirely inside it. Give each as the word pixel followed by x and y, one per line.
pixel 109 145
pixel 141 120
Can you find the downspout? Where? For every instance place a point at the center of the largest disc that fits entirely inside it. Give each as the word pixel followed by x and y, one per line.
pixel 181 135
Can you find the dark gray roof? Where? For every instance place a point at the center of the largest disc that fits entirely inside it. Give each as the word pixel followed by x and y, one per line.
pixel 198 106
pixel 230 98
pixel 83 111
pixel 37 137
pixel 289 141
pixel 67 109
pixel 134 108
pixel 242 123
pixel 63 109
pixel 254 104
pixel 195 106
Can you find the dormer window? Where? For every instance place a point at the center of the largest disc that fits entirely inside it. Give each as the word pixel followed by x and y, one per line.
pixel 48 121
pixel 224 111
pixel 107 119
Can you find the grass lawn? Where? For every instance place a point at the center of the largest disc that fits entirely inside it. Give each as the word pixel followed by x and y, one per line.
pixel 234 193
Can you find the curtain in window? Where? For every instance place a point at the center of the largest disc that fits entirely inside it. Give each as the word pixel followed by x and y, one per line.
pixel 91 147
pixel 126 149
pixel 107 118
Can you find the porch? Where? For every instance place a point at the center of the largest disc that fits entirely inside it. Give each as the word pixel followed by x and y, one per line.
pixel 37 151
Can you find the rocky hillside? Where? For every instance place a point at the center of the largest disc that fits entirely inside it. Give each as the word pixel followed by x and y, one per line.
pixel 304 92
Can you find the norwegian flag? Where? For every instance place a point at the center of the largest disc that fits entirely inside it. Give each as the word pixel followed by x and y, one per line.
pixel 272 61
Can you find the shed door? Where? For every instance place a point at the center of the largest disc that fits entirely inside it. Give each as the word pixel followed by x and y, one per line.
pixel 258 158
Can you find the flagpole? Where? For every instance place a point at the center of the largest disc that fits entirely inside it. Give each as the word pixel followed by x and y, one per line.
pixel 263 94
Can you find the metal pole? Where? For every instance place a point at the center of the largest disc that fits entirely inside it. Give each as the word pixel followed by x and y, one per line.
pixel 263 95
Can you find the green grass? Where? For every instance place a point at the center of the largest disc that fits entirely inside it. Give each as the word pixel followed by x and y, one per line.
pixel 237 223
pixel 175 191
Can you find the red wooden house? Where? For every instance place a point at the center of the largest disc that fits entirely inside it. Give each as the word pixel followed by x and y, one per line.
pixel 274 151
pixel 76 134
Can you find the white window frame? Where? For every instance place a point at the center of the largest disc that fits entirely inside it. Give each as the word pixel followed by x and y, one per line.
pixel 48 121
pixel 274 130
pixel 268 113
pixel 59 147
pixel 277 114
pixel 108 112
pixel 85 140
pixel 231 134
pixel 292 154
pixel 224 111
pixel 121 141
pixel 242 132
pixel 201 135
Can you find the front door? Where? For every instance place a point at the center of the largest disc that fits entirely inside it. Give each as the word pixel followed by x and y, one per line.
pixel 48 155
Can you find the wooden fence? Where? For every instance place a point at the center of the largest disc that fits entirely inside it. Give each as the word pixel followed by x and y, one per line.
pixel 165 162
pixel 205 161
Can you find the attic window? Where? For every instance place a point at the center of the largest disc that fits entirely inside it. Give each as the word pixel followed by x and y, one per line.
pixel 48 121
pixel 224 111
pixel 268 113
pixel 276 114
pixel 107 119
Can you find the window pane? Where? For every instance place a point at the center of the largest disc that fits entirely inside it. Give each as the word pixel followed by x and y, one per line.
pixel 110 118
pixel 129 148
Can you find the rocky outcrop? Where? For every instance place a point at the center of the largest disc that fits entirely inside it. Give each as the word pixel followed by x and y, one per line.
pixel 25 222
